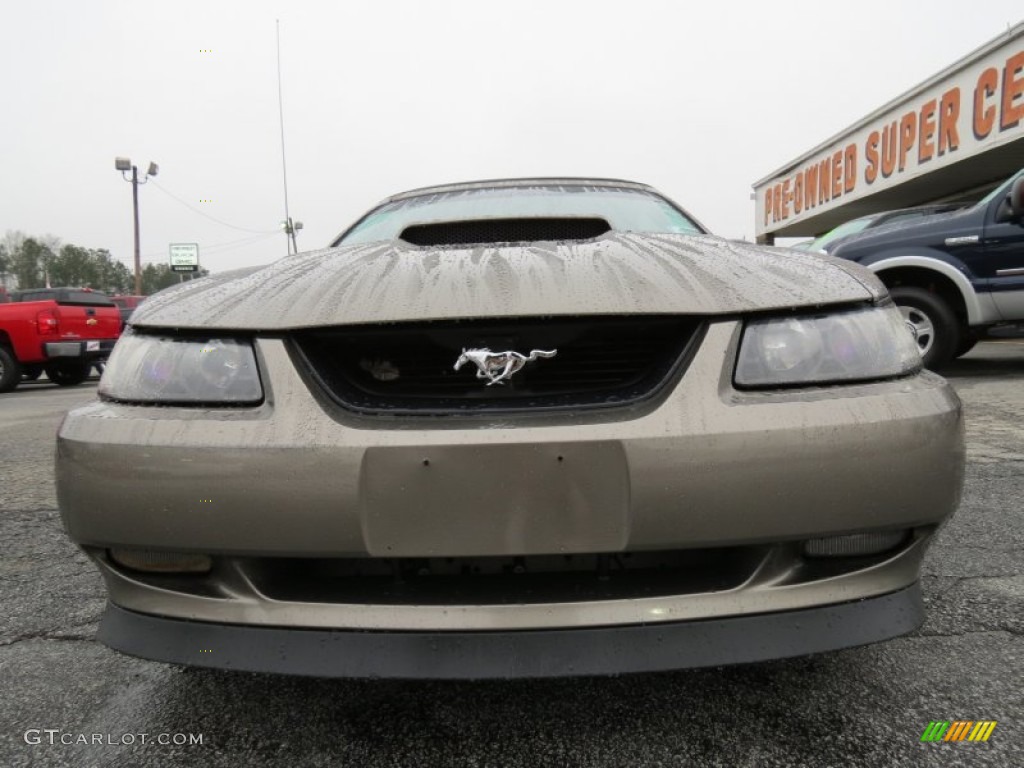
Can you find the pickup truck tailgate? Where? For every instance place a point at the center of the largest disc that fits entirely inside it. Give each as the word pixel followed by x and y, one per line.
pixel 85 322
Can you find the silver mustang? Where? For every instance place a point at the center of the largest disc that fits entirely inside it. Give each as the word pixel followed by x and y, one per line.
pixel 513 428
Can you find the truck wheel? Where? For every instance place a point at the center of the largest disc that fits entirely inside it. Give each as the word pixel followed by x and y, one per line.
pixel 10 371
pixel 67 374
pixel 933 323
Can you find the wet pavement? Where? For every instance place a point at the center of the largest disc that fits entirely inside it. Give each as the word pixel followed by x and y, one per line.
pixel 861 707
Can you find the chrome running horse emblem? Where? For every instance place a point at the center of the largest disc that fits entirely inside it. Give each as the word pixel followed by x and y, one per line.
pixel 498 366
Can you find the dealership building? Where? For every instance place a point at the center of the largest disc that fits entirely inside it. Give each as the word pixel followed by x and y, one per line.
pixel 952 138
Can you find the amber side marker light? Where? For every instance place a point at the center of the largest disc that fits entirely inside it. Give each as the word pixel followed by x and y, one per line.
pixel 152 561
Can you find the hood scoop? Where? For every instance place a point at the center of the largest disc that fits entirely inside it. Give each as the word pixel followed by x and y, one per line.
pixel 494 231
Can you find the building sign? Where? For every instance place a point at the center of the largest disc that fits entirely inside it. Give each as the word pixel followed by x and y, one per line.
pixel 977 105
pixel 184 257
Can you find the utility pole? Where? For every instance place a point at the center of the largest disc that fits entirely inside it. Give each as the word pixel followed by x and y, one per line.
pixel 288 225
pixel 135 218
pixel 123 164
pixel 290 228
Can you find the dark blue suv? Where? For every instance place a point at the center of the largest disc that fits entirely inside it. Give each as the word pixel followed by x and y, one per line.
pixel 953 275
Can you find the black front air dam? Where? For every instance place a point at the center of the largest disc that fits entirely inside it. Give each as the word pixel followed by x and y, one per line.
pixel 521 654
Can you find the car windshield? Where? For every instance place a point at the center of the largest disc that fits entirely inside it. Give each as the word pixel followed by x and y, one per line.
pixel 625 210
pixel 849 228
pixel 85 298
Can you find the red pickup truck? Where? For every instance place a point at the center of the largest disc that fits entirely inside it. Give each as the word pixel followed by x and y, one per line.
pixel 63 331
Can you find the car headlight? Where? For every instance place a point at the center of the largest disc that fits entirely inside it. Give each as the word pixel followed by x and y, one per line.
pixel 855 345
pixel 170 370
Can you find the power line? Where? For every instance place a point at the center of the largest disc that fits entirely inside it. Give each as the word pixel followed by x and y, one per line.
pixel 227 245
pixel 231 246
pixel 212 218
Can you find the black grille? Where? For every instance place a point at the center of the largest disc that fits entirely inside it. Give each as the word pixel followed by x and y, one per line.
pixel 525 230
pixel 409 368
pixel 505 580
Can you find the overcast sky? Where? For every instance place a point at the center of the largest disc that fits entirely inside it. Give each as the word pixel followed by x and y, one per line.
pixel 699 99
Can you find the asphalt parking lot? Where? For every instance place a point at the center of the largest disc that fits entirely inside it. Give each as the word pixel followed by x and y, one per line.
pixel 862 707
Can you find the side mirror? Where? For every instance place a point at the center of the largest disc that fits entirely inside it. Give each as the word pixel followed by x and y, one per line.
pixel 1017 198
pixel 1011 207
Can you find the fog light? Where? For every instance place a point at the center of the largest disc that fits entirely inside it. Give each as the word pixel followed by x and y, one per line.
pixel 161 562
pixel 855 544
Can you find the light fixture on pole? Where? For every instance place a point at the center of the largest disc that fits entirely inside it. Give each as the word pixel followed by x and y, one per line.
pixel 123 164
pixel 290 227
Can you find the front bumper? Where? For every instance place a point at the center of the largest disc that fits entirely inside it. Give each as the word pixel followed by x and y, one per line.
pixel 705 469
pixel 482 655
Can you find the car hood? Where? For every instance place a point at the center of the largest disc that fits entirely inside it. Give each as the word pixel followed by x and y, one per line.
pixel 615 274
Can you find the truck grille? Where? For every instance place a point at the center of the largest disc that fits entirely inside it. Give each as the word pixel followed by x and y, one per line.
pixel 409 368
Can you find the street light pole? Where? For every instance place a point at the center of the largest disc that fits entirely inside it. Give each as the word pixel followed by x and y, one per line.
pixel 123 164
pixel 290 228
pixel 288 225
pixel 135 211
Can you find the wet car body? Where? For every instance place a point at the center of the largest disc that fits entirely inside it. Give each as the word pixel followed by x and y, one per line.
pixel 877 222
pixel 639 498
